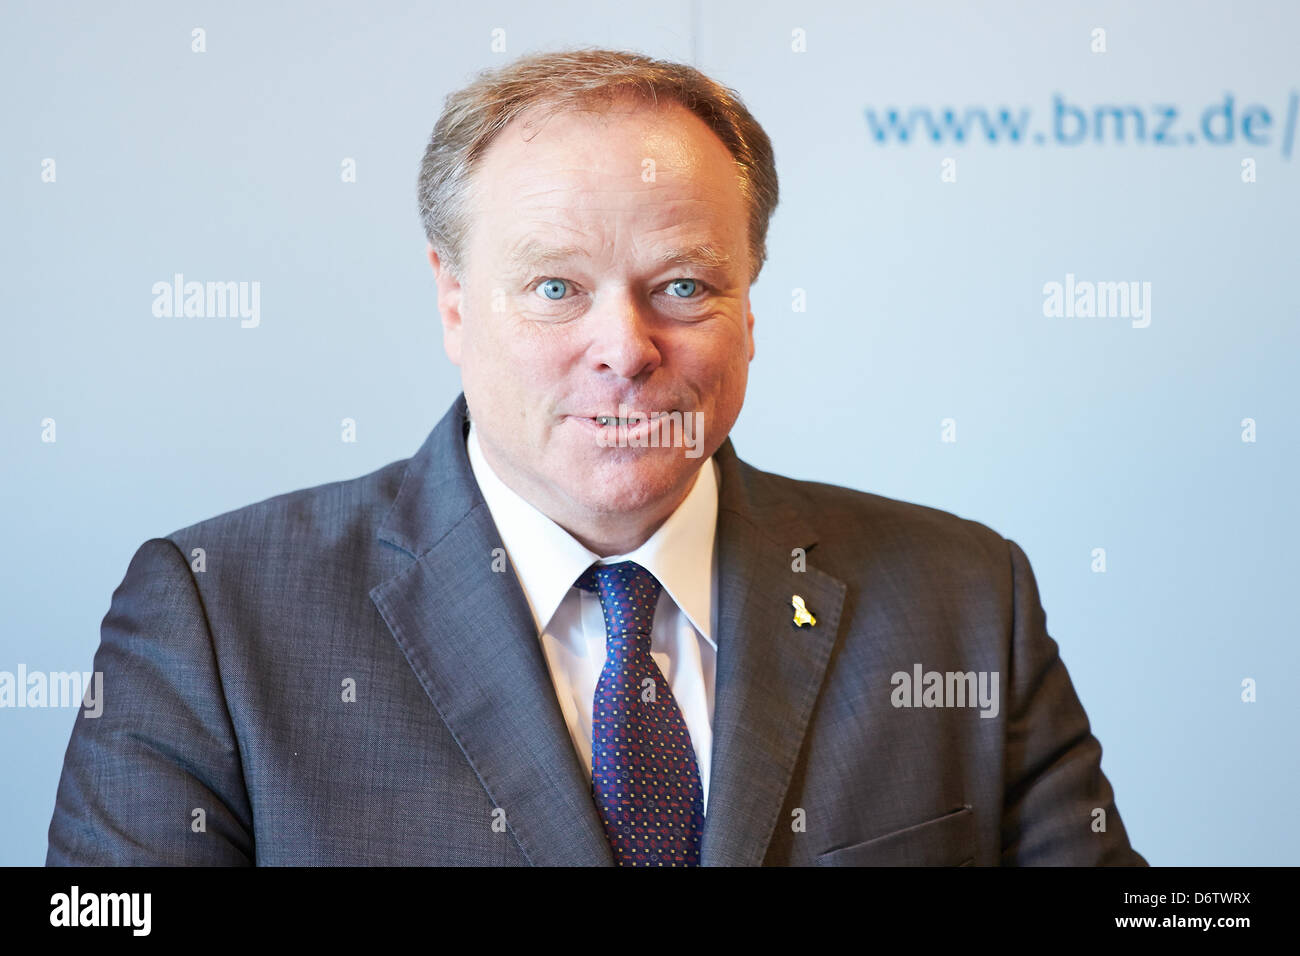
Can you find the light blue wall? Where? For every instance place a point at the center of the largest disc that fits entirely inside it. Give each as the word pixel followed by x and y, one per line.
pixel 924 302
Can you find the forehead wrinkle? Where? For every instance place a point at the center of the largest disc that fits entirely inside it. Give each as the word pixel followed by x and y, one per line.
pixel 552 241
pixel 535 251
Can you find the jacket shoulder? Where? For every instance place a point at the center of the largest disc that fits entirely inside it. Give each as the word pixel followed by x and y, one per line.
pixel 323 515
pixel 854 525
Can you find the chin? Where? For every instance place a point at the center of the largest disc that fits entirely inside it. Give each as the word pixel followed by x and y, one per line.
pixel 623 480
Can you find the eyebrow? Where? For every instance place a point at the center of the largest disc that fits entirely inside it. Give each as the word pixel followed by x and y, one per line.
pixel 535 252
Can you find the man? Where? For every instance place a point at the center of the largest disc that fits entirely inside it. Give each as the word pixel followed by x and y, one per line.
pixel 575 628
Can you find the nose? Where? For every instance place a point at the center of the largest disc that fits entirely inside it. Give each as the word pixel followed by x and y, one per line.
pixel 621 338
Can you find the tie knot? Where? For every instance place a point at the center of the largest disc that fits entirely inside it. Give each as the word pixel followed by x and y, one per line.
pixel 628 594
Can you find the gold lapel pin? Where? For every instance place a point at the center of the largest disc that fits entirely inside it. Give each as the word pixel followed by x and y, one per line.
pixel 802 617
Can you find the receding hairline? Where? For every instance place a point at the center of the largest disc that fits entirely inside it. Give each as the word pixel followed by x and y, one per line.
pixel 536 86
pixel 532 249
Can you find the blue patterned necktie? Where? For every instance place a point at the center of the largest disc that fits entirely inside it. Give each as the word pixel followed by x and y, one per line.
pixel 644 777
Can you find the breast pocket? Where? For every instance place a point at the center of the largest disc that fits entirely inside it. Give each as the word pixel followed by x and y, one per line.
pixel 948 840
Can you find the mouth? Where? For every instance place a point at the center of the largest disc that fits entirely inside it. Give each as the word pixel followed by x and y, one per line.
pixel 618 430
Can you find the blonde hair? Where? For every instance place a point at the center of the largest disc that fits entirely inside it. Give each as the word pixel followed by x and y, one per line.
pixel 473 116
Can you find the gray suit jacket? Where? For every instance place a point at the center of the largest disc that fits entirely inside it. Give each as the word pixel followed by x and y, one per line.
pixel 349 681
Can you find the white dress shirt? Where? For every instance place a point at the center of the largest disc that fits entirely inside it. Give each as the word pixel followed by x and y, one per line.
pixel 570 623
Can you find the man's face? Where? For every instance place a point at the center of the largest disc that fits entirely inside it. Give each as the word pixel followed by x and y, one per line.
pixel 571 305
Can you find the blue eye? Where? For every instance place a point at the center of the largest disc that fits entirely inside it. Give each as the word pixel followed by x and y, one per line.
pixel 690 287
pixel 553 289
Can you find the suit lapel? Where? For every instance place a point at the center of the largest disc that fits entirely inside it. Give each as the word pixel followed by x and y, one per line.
pixel 469 637
pixel 769 671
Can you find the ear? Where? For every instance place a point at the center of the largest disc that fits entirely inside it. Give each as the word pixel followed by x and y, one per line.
pixel 749 332
pixel 449 305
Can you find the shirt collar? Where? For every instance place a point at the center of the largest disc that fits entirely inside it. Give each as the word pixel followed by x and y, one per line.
pixel 548 560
